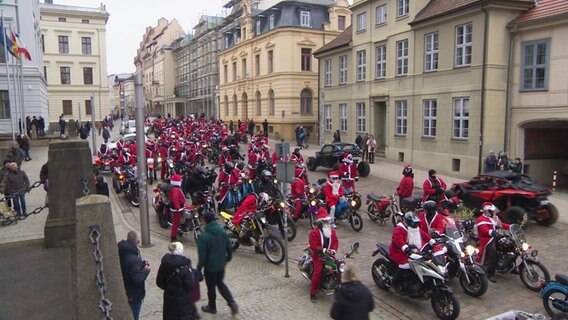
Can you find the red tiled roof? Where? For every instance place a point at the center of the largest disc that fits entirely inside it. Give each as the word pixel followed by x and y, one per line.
pixel 544 9
pixel 342 40
pixel 436 8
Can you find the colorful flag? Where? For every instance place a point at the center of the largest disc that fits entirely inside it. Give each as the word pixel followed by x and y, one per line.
pixel 19 46
pixel 9 45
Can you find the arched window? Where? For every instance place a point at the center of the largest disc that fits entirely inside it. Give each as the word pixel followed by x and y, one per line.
pixel 306 101
pixel 271 105
pixel 226 105
pixel 235 105
pixel 244 105
pixel 258 104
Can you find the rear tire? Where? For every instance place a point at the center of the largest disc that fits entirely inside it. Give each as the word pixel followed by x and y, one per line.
pixel 312 164
pixel 292 228
pixel 364 169
pixel 380 274
pixel 371 212
pixel 517 215
pixel 551 218
pixel 445 305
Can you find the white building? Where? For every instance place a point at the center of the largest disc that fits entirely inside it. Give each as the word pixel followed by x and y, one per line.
pixel 22 17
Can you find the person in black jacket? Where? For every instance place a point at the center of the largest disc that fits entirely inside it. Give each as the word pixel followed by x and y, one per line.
pixel 353 300
pixel 176 278
pixel 101 186
pixel 134 272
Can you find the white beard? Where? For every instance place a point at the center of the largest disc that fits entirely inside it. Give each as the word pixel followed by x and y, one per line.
pixel 326 231
pixel 413 237
pixel 335 190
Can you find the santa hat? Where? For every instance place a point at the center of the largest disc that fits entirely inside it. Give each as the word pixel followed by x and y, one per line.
pixel 176 180
pixel 348 158
pixel 322 215
pixel 333 175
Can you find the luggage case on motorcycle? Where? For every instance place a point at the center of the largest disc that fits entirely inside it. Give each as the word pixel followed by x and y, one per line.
pixel 410 203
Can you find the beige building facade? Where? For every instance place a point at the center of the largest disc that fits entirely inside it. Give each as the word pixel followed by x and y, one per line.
pixel 427 78
pixel 74 40
pixel 267 70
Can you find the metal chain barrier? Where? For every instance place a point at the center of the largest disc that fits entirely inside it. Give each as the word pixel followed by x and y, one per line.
pixel 8 220
pixel 86 190
pixel 104 303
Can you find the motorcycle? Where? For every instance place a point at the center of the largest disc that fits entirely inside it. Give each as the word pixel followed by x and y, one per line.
pixel 383 208
pixel 160 203
pixel 354 196
pixel 345 210
pixel 190 221
pixel 333 268
pixel 258 234
pixel 120 177
pixel 131 189
pixel 511 246
pixel 104 164
pixel 428 280
pixel 555 296
pixel 151 174
pixel 276 214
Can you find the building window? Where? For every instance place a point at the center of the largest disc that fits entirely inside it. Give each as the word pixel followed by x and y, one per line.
pixel 328 72
pixel 361 117
pixel 463 44
pixel 45 73
pixel 85 21
pixel 86 45
pixel 63 44
pixel 258 104
pixel 306 101
pixel 341 23
pixel 225 73
pixel 401 119
pixel 381 14
pixel 402 58
pixel 88 107
pixel 402 7
pixel 87 75
pixel 234 71
pixel 431 52
pixel 461 118
pixel 361 65
pixel 535 61
pixel 327 117
pixel 235 105
pixel 65 75
pixel 67 107
pixel 306 59
pixel 42 43
pixel 244 68
pixel 226 105
pixel 381 65
pixel 271 22
pixel 270 61
pixel 271 103
pixel 257 27
pixel 61 19
pixel 5 111
pixel 342 69
pixel 343 117
pixel 244 33
pixel 429 118
pixel 305 18
pixel 362 21
pixel 257 64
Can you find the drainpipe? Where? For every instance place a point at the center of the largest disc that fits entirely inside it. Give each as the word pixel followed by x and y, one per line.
pixel 508 106
pixel 483 77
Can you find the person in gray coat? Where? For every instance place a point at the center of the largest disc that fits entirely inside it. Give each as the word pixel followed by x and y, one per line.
pixel 14 185
pixel 15 154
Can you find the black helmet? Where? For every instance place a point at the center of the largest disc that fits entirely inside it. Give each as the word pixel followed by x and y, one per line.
pixel 411 220
pixel 266 174
pixel 229 166
pixel 407 171
pixel 430 206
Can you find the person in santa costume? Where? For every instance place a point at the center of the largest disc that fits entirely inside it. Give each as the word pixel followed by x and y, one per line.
pixel 177 204
pixel 406 239
pixel 333 193
pixel 125 159
pixel 296 157
pixel 431 221
pixel 487 225
pixel 323 240
pixel 406 185
pixel 298 192
pixel 251 203
pixel 253 159
pixel 348 173
pixel 434 188
pixel 224 157
pixel 228 177
pixel 103 151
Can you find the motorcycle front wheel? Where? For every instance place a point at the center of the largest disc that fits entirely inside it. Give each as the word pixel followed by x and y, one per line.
pixel 555 303
pixel 233 238
pixel 273 250
pixel 356 221
pixel 445 305
pixel 477 284
pixel 534 275
pixel 135 202
pixel 196 233
pixel 379 273
pixel 292 229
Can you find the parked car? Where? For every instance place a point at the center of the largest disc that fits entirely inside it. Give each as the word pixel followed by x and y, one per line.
pixel 518 197
pixel 331 154
pixel 129 137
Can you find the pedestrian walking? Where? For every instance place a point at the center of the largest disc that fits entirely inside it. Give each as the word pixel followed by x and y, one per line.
pixel 251 125
pixel 41 123
pixel 371 147
pixel 134 271
pixel 106 134
pixel 491 162
pixel 359 141
pixel 353 300
pixel 337 136
pixel 297 133
pixel 177 279
pixel 29 125
pixel 35 126
pixel 265 127
pixel 14 186
pixel 99 127
pixel 24 144
pixel 214 253
pixel 15 154
pixel 62 125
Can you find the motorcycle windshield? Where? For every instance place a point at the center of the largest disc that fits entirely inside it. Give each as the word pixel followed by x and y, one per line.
pixel 517 234
pixel 453 233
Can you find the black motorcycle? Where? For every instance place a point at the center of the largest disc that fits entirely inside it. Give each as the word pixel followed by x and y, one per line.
pixel 131 190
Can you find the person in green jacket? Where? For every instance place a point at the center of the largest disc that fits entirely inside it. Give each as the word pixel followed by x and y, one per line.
pixel 214 252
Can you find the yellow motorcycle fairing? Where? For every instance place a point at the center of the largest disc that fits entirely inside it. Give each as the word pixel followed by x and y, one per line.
pixel 225 215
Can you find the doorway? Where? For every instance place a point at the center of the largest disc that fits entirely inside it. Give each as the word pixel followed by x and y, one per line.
pixel 380 126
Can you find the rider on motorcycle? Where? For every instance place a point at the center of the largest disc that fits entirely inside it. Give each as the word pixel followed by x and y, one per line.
pixel 296 157
pixel 333 193
pixel 348 173
pixel 433 187
pixel 406 185
pixel 224 157
pixel 253 159
pixel 298 192
pixel 251 203
pixel 177 204
pixel 487 225
pixel 103 151
pixel 266 184
pixel 323 240
pixel 431 221
pixel 125 159
pixel 406 239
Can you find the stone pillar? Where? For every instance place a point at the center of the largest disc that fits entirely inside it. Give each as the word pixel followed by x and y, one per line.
pixel 96 210
pixel 69 162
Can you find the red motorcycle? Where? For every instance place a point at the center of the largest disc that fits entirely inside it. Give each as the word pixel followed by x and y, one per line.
pixel 190 220
pixel 383 208
pixel 104 164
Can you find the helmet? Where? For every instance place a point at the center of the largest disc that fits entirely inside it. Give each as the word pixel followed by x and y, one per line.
pixel 266 174
pixel 489 208
pixel 263 198
pixel 103 145
pixel 297 150
pixel 407 171
pixel 224 149
pixel 229 166
pixel 348 158
pixel 411 220
pixel 430 206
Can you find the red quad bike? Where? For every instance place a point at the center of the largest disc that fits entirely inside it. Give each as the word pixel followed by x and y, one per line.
pixel 104 164
pixel 518 197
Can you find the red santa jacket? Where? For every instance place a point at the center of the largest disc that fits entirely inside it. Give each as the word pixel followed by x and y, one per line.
pixel 316 242
pixel 296 159
pixel 399 243
pixel 126 160
pixel 486 227
pixel 331 198
pixel 348 174
pixel 437 223
pixel 133 149
pixel 253 159
pixel 405 187
pixel 248 205
pixel 223 159
pixel 298 188
pixel 429 189
pixel 177 199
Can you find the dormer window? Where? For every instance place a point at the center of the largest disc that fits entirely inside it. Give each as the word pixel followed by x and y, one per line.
pixel 271 22
pixel 304 18
pixel 258 27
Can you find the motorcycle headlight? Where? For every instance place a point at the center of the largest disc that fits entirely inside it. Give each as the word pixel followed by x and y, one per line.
pixel 526 246
pixel 470 250
pixel 342 267
pixel 159 159
pixel 282 204
pixel 313 203
pixel 275 181
pixel 353 203
pixel 121 177
pixel 150 160
pixel 312 190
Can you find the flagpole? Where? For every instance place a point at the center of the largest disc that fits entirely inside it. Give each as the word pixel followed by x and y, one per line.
pixel 21 125
pixel 12 119
pixel 22 104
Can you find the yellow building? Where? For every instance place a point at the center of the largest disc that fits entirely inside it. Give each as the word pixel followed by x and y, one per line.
pixel 74 56
pixel 427 78
pixel 267 70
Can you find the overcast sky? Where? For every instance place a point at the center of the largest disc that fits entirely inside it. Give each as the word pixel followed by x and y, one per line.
pixel 129 19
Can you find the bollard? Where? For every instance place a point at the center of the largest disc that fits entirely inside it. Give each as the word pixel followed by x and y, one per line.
pixel 554 176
